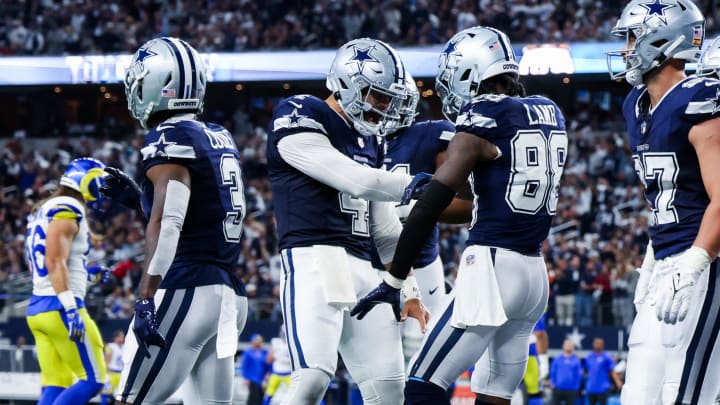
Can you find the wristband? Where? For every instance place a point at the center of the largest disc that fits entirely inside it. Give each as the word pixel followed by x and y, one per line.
pixel 410 289
pixel 67 299
pixel 393 281
pixel 697 258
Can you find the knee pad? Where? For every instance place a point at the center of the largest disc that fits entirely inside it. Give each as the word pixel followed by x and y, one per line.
pixel 424 393
pixel 307 387
pixel 382 391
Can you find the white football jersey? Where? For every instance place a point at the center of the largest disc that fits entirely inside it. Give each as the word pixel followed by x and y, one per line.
pixel 56 208
pixel 281 364
pixel 116 364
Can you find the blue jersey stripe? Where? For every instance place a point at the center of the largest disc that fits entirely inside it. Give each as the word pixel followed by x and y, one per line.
pixel 193 70
pixel 169 338
pixel 698 341
pixel 138 358
pixel 433 335
pixel 286 321
pixel 301 356
pixel 181 67
pixel 443 352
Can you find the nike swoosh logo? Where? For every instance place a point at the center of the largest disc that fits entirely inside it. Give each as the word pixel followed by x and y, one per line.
pixel 297 105
pixel 164 127
pixel 433 291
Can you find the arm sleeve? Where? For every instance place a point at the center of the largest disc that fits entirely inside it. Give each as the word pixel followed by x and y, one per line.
pixel 314 155
pixel 177 198
pixel 385 228
pixel 420 223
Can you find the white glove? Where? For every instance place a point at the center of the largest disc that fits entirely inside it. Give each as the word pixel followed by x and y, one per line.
pixel 646 272
pixel 676 291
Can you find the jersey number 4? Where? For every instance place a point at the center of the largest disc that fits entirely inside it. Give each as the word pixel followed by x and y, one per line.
pixel 537 164
pixel 231 177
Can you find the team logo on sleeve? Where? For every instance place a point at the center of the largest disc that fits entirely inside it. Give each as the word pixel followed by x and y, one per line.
pixel 470 260
pixel 297 120
pixel 167 149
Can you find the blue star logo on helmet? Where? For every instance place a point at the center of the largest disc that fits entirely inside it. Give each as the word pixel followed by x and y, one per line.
pixel 144 53
pixel 361 56
pixel 450 49
pixel 656 8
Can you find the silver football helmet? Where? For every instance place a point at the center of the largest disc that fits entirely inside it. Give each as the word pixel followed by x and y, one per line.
pixel 164 74
pixel 363 68
pixel 662 30
pixel 471 56
pixel 408 108
pixel 709 64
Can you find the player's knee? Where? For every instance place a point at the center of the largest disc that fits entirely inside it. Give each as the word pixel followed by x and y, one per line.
pixel 307 386
pixel 669 392
pixel 632 394
pixel 385 391
pixel 424 393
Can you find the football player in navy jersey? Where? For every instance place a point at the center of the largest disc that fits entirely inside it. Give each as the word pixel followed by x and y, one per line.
pixel 412 148
pixel 513 148
pixel 330 195
pixel 193 198
pixel 672 128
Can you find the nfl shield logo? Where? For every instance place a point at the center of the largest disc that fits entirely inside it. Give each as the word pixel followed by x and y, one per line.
pixel 470 260
pixel 361 142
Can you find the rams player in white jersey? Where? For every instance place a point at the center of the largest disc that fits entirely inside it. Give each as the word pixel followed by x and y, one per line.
pixel 68 342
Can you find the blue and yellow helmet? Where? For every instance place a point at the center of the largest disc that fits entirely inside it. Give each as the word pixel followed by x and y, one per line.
pixel 86 176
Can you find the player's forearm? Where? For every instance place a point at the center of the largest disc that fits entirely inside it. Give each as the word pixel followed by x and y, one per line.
pixel 58 274
pixel 314 155
pixel 385 229
pixel 708 236
pixel 419 225
pixel 148 283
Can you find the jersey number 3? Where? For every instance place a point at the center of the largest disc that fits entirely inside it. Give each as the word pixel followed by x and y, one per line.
pixel 537 164
pixel 231 176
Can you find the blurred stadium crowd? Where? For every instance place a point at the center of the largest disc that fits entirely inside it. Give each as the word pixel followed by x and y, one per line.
pixel 597 240
pixel 55 27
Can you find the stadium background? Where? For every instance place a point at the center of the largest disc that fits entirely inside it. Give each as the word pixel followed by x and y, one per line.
pixel 60 99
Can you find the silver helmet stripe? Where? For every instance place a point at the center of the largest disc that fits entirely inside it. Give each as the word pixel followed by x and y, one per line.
pixel 507 49
pixel 194 72
pixel 181 66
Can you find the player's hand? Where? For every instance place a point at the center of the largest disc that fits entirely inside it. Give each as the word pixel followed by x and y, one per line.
pixel 416 187
pixel 677 290
pixel 643 286
pixel 98 274
pixel 75 325
pixel 121 188
pixel 383 293
pixel 145 326
pixel 414 308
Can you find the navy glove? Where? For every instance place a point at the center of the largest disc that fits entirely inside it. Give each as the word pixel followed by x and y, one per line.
pixel 75 325
pixel 384 293
pixel 416 187
pixel 121 188
pixel 145 326
pixel 98 274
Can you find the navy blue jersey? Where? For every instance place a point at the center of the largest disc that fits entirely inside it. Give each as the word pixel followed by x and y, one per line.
pixel 666 161
pixel 209 244
pixel 516 195
pixel 414 150
pixel 307 211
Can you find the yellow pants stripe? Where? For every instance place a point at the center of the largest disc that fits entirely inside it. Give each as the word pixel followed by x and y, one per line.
pixel 60 358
